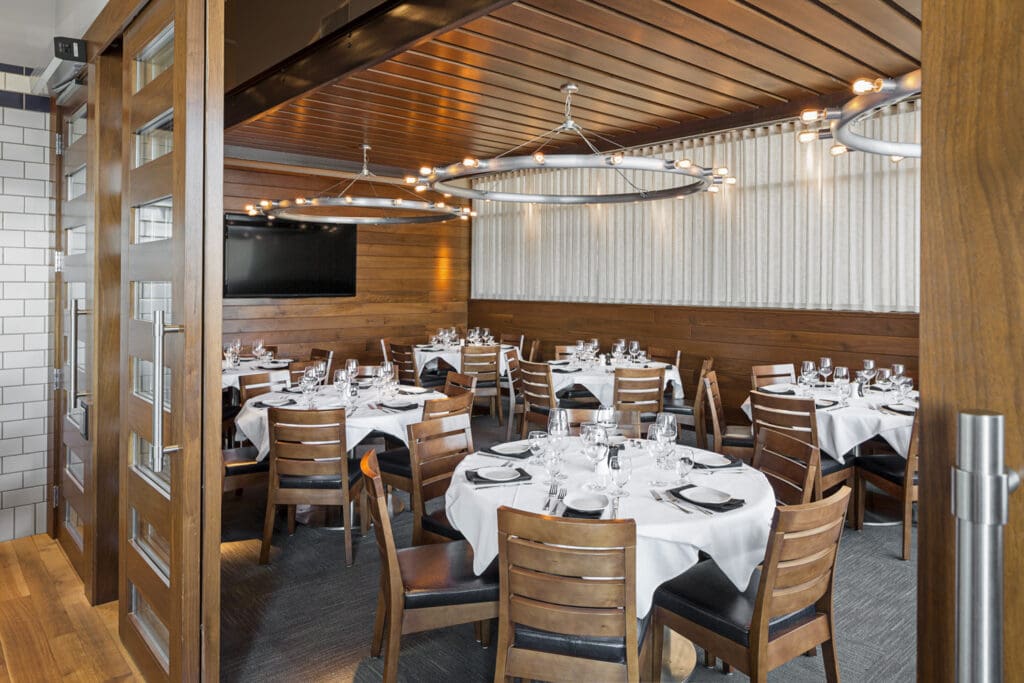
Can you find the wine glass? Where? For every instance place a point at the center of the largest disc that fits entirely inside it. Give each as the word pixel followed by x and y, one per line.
pixel 807 374
pixel 667 422
pixel 257 349
pixel 538 444
pixel 842 382
pixel 621 470
pixel 596 449
pixel 684 465
pixel 634 349
pixel 656 449
pixel 308 386
pixel 825 368
pixel 352 365
pixel 883 380
pixel 321 371
pixel 553 466
pixel 903 387
pixel 898 369
pixel 869 370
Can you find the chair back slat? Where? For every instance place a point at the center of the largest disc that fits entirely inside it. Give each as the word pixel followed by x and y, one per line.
pixel 639 389
pixel 764 375
pixel 534 350
pixel 790 465
pixel 628 421
pixel 512 338
pixel 795 417
pixel 459 404
pixel 404 358
pixel 566 561
pixel 299 437
pixel 564 351
pixel 716 411
pixel 456 383
pixel 913 452
pixel 298 367
pixel 436 447
pixel 251 386
pixel 665 355
pixel 481 361
pixel 368 371
pixel 539 585
pixel 561 618
pixel 538 385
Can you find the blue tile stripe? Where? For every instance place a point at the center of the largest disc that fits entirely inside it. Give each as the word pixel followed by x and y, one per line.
pixel 17 100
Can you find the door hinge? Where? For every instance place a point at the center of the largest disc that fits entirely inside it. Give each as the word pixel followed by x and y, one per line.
pixel 58 145
pixel 58 379
pixel 58 261
pixel 56 496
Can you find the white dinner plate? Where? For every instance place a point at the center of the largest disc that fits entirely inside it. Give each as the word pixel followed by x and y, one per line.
pixel 273 365
pixel 413 390
pixel 824 403
pixel 274 400
pixel 511 448
pixel 711 459
pixel 703 494
pixel 616 439
pixel 587 502
pixel 776 388
pixel 498 473
pixel 398 405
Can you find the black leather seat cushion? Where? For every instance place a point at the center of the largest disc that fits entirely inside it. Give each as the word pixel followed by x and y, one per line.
pixel 486 384
pixel 707 597
pixel 442 574
pixel 229 412
pixel 318 481
pixel 243 461
pixel 741 441
pixel 437 522
pixel 830 465
pixel 395 461
pixel 603 649
pixel 678 407
pixel 432 380
pixel 543 410
pixel 888 466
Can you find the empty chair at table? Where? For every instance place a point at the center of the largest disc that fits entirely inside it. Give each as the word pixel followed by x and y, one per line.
pixel 436 447
pixel 512 339
pixel 538 392
pixel 692 415
pixel 766 375
pixel 896 477
pixel 639 389
pixel 727 439
pixel 673 357
pixel 798 418
pixel 324 355
pixel 483 363
pixel 457 383
pixel 251 386
pixel 790 465
pixel 308 466
pixel 511 390
pixel 563 351
pixel 568 599
pixel 785 610
pixel 423 587
pixel 403 356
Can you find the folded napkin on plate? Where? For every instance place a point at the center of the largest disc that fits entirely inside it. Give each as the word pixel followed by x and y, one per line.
pixel 261 404
pixel 473 478
pixel 291 390
pixel 733 462
pixel 580 514
pixel 411 406
pixel 901 408
pixel 518 455
pixel 787 392
pixel 564 370
pixel 731 504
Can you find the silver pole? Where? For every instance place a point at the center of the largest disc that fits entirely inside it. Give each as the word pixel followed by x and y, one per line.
pixel 159 330
pixel 71 395
pixel 981 490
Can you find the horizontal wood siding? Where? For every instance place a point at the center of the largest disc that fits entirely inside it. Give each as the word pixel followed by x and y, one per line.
pixel 410 280
pixel 736 337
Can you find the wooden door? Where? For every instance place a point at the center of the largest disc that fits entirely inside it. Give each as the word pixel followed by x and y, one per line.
pixel 164 612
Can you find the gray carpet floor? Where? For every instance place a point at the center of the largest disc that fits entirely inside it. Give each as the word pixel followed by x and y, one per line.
pixel 308 617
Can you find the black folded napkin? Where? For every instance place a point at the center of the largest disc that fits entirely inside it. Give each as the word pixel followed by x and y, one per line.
pixel 564 371
pixel 731 504
pixel 874 388
pixel 521 455
pixel 825 403
pixel 775 392
pixel 291 390
pixel 476 480
pixel 580 514
pixel 733 462
pixel 411 406
pixel 900 408
pixel 558 362
pixel 261 404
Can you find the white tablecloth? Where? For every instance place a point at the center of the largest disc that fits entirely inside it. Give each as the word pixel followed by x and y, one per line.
pixel 252 421
pixel 600 381
pixel 841 430
pixel 667 540
pixel 453 357
pixel 229 376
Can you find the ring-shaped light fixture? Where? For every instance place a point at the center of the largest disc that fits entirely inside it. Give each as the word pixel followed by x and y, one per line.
pixel 699 179
pixel 298 209
pixel 884 92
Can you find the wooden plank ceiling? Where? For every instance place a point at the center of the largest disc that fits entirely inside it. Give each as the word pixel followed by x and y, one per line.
pixel 646 69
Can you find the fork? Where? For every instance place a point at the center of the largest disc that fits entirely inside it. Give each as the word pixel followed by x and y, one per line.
pixel 552 491
pixel 561 496
pixel 658 497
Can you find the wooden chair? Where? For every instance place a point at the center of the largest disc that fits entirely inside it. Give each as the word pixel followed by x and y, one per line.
pixel 798 418
pixel 404 358
pixel 785 611
pixel 423 587
pixel 665 355
pixel 308 465
pixel 242 469
pixel 297 368
pixel 368 371
pixel 460 404
pixel 511 388
pixel 564 351
pixel 764 375
pixel 272 349
pixel 896 477
pixel 457 383
pixel 483 363
pixel 324 354
pixel 568 599
pixel 515 340
pixel 251 386
pixel 627 420
pixel 692 415
pixel 639 389
pixel 734 440
pixel 436 447
pixel 538 389
pixel 385 348
pixel 532 356
pixel 790 465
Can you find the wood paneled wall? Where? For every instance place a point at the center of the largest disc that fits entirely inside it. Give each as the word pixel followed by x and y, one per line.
pixel 736 337
pixel 410 280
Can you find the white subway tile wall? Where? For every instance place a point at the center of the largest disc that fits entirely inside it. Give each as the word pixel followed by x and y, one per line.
pixel 26 317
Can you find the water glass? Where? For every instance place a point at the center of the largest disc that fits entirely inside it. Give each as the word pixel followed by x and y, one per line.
pixel 808 373
pixel 553 466
pixel 538 444
pixel 898 369
pixel 684 464
pixel 903 387
pixel 352 365
pixel 825 368
pixel 308 387
pixel 621 470
pixel 869 369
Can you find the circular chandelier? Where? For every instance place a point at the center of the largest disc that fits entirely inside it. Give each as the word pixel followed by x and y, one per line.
pixel 697 178
pixel 304 209
pixel 870 96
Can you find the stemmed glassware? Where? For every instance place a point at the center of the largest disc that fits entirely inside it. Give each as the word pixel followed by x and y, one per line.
pixel 308 385
pixel 904 384
pixel 558 433
pixel 634 350
pixel 321 371
pixel 808 373
pixel 883 380
pixel 538 444
pixel 684 464
pixel 595 440
pixel 257 349
pixel 618 351
pixel 621 470
pixel 341 385
pixel 825 368
pixel 842 384
pixel 352 365
pixel 869 370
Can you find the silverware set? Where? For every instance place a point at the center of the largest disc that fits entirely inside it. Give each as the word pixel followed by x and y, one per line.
pixel 688 509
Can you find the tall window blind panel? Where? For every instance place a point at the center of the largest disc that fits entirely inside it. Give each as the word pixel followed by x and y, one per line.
pixel 801 229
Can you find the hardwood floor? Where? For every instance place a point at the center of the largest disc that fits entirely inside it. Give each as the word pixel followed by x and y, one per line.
pixel 48 631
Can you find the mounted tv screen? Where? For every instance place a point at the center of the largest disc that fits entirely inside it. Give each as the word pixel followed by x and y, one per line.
pixel 283 259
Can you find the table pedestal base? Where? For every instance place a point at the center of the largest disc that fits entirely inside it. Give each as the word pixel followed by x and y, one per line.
pixel 680 658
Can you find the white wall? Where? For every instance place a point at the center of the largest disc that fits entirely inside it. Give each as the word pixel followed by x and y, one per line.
pixel 26 314
pixel 27 27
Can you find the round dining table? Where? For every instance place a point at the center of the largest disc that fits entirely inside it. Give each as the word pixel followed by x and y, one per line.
pixel 278 370
pixel 452 355
pixel 369 414
pixel 842 429
pixel 600 379
pixel 668 539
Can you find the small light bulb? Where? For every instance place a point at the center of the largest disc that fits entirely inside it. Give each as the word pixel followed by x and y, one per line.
pixel 863 85
pixel 425 170
pixel 837 149
pixel 439 205
pixel 806 136
pixel 615 159
pixel 809 115
pixel 249 207
pixel 470 162
pixel 713 189
pixel 722 170
pixel 420 188
pixel 684 163
pixel 348 199
pixel 271 217
pixel 447 195
pixel 410 179
pixel 397 201
pixel 896 158
pixel 731 180
pixel 252 212
pixel 538 157
pixel 314 201
pixel 464 217
pixel 466 210
pixel 265 203
pixel 300 200
pixel 472 213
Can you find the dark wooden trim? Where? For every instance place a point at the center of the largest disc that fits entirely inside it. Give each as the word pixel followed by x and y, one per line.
pixel 111 22
pixel 388 30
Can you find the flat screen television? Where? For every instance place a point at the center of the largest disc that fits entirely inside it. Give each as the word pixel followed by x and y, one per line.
pixel 285 259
